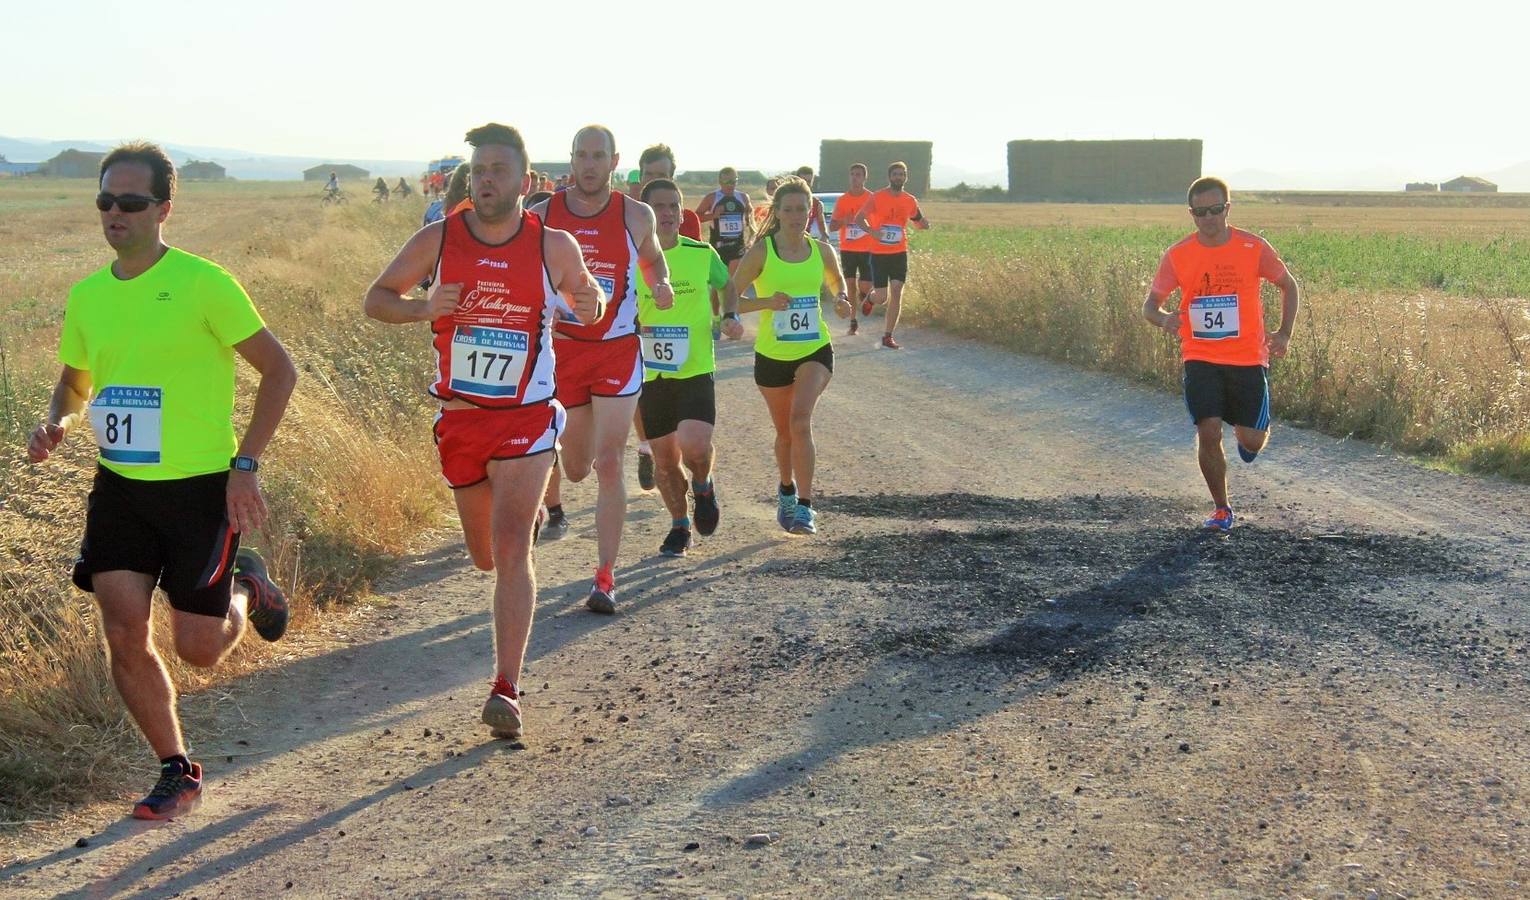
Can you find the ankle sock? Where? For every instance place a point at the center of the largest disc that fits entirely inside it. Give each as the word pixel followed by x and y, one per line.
pixel 681 523
pixel 702 487
pixel 789 490
pixel 804 501
pixel 178 759
pixel 555 510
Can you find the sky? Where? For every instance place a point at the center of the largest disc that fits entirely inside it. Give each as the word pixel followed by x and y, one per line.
pixel 1332 92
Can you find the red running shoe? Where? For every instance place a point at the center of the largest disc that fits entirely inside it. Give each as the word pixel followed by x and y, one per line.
pixel 602 597
pixel 502 711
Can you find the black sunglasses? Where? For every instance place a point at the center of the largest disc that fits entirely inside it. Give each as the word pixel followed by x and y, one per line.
pixel 1216 209
pixel 128 203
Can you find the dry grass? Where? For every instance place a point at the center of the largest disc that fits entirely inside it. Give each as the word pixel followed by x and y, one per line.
pixel 351 477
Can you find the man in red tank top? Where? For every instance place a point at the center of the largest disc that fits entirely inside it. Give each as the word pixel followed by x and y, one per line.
pixel 600 364
pixel 501 281
pixel 1220 326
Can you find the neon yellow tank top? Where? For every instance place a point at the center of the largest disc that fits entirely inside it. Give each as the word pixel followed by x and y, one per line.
pixel 801 330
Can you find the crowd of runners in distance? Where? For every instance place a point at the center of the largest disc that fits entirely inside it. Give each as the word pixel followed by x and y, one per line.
pixel 559 320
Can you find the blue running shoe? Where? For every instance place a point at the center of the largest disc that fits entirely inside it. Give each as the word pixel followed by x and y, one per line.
pixel 802 521
pixel 1221 520
pixel 1245 455
pixel 786 510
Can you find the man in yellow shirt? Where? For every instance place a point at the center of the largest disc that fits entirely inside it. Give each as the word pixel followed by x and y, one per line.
pixel 155 334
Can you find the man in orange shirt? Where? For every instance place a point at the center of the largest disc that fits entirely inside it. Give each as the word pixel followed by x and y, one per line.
pixel 887 216
pixel 854 243
pixel 1220 325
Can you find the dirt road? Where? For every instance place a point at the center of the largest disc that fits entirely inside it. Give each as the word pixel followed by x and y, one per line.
pixel 1009 665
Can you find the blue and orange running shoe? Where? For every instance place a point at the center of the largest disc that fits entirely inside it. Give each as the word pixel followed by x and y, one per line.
pixel 502 711
pixel 1221 520
pixel 176 792
pixel 804 520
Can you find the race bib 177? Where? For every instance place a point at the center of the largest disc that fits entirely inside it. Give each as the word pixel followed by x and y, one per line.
pixel 488 362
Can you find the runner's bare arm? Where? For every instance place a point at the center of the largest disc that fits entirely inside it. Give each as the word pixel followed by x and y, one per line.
pixel 565 266
pixel 920 220
pixel 749 269
pixel 834 278
pixel 1153 311
pixel 1290 304
pixel 246 507
pixel 385 298
pixel 823 228
pixel 862 218
pixel 641 224
pixel 704 208
pixel 65 410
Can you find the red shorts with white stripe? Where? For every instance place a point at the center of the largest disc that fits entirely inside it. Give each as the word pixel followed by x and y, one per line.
pixel 467 439
pixel 586 369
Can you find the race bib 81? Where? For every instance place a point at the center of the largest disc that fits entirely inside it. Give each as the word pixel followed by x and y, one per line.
pixel 127 421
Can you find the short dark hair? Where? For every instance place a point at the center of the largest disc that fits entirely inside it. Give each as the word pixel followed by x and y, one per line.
pixel 495 134
pixel 1208 183
pixel 726 171
pixel 861 166
pixel 661 184
pixel 805 173
pixel 610 138
pixel 161 169
pixel 900 164
pixel 655 153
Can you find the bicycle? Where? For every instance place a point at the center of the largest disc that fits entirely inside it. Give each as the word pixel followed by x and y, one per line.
pixel 332 197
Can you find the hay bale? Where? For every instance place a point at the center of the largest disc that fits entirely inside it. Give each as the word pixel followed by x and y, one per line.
pixel 835 158
pixel 1103 171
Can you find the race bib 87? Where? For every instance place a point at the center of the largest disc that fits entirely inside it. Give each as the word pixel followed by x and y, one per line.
pixel 890 234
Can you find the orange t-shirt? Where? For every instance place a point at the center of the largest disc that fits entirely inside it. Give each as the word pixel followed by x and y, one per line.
pixel 889 216
pixel 465 204
pixel 846 208
pixel 1219 291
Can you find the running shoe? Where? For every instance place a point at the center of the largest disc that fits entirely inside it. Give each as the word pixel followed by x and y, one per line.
pixel 704 511
pixel 502 711
pixel 1245 455
pixel 866 307
pixel 855 327
pixel 803 521
pixel 176 792
pixel 268 606
pixel 1221 520
pixel 678 541
pixel 602 597
pixel 645 471
pixel 556 526
pixel 889 344
pixel 786 510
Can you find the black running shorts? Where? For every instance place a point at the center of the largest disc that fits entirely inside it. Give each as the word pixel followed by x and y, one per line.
pixel 666 402
pixel 1238 395
pixel 177 531
pixel 857 264
pixel 887 267
pixel 774 373
pixel 729 250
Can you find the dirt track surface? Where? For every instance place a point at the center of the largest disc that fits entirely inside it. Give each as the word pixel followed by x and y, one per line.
pixel 1009 665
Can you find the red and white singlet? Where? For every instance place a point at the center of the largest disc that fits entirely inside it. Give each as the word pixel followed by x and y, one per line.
pixel 611 256
pixel 496 350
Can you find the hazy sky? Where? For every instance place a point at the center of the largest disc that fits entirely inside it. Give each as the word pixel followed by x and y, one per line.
pixel 1321 88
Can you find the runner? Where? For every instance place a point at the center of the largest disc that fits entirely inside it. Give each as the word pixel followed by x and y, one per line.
pixel 732 218
pixel 855 244
pixel 761 212
pixel 600 365
pixel 155 334
pixel 499 274
pixel 887 215
pixel 793 358
pixel 817 228
pixel 658 161
pixel 1220 325
pixel 678 404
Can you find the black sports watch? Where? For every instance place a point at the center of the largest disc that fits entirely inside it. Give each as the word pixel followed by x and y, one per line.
pixel 733 316
pixel 244 464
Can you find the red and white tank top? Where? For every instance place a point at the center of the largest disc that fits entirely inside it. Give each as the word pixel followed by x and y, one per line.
pixel 611 256
pixel 496 350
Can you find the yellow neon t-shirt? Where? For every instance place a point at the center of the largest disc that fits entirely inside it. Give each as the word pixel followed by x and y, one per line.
pixel 159 350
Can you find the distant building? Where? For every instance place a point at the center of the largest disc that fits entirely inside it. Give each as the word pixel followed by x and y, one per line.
pixel 11 168
pixel 1103 171
pixel 346 171
pixel 75 164
pixel 1420 186
pixel 1469 184
pixel 195 170
pixel 709 176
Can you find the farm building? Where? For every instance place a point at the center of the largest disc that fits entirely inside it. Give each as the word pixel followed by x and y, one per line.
pixel 1421 186
pixel 346 171
pixel 1469 184
pixel 75 164
pixel 836 157
pixel 195 170
pixel 709 176
pixel 1103 171
pixel 14 168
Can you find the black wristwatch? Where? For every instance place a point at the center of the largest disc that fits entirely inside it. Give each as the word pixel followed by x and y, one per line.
pixel 733 316
pixel 244 464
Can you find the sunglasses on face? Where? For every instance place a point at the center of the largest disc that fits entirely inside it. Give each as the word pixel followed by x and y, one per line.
pixel 128 203
pixel 1215 209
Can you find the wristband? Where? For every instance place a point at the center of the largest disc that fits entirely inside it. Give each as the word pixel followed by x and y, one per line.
pixel 244 464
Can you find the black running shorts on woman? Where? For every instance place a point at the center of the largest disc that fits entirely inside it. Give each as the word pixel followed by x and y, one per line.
pixel 176 530
pixel 774 373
